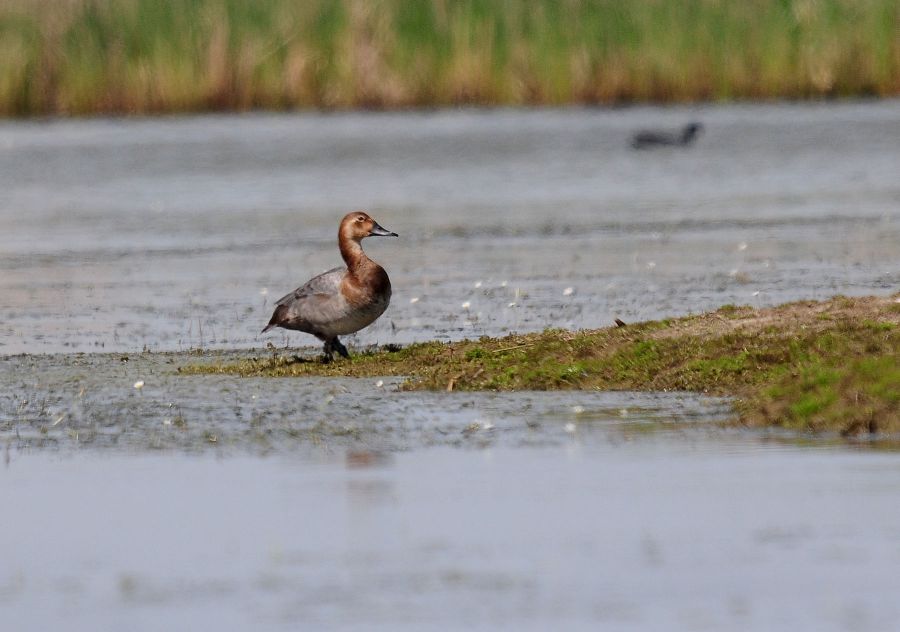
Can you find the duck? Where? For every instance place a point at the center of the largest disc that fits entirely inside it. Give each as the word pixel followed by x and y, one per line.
pixel 655 138
pixel 342 300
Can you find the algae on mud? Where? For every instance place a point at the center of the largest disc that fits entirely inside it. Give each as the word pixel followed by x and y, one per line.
pixel 808 366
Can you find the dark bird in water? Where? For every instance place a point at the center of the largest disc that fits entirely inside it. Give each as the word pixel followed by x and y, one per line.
pixel 343 300
pixel 647 139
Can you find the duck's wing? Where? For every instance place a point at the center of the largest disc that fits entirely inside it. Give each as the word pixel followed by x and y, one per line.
pixel 326 283
pixel 320 290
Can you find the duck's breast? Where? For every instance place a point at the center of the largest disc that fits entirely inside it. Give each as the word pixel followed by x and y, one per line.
pixel 357 317
pixel 366 299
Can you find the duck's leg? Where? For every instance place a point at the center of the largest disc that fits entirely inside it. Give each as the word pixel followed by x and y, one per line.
pixel 338 346
pixel 329 351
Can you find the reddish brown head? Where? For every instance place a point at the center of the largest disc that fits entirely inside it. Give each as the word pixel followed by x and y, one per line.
pixel 358 225
pixel 354 228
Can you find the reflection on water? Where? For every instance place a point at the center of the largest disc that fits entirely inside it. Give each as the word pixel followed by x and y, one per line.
pixel 671 535
pixel 176 233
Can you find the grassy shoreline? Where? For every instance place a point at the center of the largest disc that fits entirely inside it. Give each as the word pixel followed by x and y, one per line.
pixel 807 366
pixel 158 56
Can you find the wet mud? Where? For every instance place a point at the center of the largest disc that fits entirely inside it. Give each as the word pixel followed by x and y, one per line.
pixel 140 402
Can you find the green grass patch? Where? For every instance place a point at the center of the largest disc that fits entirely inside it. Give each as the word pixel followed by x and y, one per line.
pixel 787 365
pixel 853 397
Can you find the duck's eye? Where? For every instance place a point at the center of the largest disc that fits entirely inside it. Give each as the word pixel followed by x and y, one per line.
pixel 360 218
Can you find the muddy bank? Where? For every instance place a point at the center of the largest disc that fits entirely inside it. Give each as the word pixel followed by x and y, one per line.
pixel 811 366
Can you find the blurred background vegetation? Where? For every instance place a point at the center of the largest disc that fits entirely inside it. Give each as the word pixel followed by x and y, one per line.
pixel 146 56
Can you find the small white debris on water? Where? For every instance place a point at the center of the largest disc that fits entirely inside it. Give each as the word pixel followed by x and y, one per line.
pixel 513 304
pixel 466 305
pixel 623 412
pixel 742 246
pixel 577 409
pixel 379 384
pixel 651 265
pixel 414 300
pixel 139 384
pixel 503 284
pixel 756 293
pixel 569 427
pixel 167 422
pixel 733 272
pixel 487 425
pixel 477 284
pixel 264 291
pixel 568 291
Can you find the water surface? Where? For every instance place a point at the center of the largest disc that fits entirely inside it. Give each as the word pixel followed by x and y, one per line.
pixel 179 232
pixel 662 533
pixel 137 498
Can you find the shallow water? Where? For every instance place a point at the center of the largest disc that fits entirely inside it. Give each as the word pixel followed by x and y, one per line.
pixel 234 503
pixel 90 402
pixel 661 533
pixel 137 498
pixel 175 233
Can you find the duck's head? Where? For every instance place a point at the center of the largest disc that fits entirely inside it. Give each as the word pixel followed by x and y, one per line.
pixel 691 130
pixel 358 225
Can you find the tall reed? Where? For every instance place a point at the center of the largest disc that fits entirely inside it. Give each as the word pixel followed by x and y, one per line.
pixel 143 56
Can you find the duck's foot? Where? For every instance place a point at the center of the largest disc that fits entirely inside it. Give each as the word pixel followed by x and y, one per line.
pixel 338 346
pixel 330 347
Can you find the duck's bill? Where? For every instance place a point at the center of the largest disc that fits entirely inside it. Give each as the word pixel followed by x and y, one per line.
pixel 378 231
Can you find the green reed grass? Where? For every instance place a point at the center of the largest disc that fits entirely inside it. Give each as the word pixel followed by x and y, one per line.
pixel 140 56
